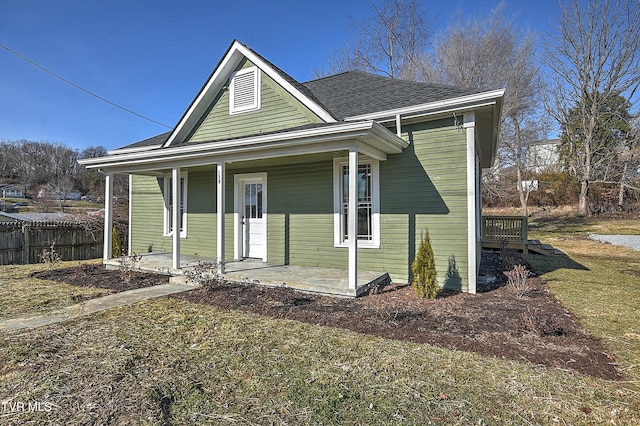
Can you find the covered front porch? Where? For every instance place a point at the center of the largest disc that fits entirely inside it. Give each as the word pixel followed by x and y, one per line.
pixel 246 164
pixel 331 281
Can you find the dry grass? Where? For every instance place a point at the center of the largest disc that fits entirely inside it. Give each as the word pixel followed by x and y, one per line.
pixel 22 295
pixel 170 362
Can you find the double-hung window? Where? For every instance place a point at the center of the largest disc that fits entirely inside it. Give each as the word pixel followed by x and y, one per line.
pixel 368 204
pixel 168 205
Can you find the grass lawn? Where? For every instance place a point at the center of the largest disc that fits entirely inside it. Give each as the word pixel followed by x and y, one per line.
pixel 22 295
pixel 171 362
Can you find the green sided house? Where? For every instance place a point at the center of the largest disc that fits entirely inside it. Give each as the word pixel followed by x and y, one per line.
pixel 343 172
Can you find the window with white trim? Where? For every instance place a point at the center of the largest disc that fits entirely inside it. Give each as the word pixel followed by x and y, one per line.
pixel 368 190
pixel 168 205
pixel 244 90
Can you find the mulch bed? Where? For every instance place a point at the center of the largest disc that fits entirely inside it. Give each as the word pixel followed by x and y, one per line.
pixel 91 275
pixel 532 326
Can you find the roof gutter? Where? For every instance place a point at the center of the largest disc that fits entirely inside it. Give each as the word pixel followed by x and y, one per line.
pixel 447 105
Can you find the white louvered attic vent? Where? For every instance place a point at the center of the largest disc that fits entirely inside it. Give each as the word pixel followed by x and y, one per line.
pixel 244 91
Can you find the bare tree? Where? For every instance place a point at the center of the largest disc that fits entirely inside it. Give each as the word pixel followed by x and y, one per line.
pixel 490 54
pixel 594 57
pixel 390 43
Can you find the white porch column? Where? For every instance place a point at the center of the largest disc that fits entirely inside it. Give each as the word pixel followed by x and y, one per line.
pixel 175 215
pixel 220 210
pixel 108 216
pixel 352 217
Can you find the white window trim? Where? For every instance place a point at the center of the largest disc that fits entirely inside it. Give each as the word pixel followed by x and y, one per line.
pixel 168 232
pixel 256 91
pixel 338 241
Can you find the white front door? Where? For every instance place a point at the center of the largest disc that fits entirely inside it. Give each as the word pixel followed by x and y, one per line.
pixel 250 216
pixel 253 220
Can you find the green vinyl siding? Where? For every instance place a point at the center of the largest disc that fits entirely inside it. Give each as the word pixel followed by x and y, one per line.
pixel 147 212
pixel 147 215
pixel 422 187
pixel 425 187
pixel 279 110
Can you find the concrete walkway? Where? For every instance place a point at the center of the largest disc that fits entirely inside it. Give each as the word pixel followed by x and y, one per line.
pixel 94 305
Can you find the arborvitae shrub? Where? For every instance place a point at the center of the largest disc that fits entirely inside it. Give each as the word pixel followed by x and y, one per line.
pixel 425 283
pixel 116 238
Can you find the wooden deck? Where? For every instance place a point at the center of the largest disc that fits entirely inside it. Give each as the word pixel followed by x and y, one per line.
pixel 511 232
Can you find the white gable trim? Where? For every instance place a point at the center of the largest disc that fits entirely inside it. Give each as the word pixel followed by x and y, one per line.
pixel 220 77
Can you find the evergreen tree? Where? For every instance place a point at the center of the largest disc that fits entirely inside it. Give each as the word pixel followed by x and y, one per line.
pixel 424 283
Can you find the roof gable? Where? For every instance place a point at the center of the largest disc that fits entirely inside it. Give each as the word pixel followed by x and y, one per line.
pixel 277 110
pixel 215 84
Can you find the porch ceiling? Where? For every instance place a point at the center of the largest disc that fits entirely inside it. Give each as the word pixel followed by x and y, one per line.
pixel 370 138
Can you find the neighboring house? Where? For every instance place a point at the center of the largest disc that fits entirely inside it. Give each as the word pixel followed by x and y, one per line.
pixel 276 156
pixel 59 195
pixel 542 156
pixel 11 191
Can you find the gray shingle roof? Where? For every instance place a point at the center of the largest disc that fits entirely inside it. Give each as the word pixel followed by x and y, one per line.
pixel 355 93
pixel 156 140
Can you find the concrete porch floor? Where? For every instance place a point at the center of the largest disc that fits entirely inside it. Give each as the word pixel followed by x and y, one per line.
pixel 310 279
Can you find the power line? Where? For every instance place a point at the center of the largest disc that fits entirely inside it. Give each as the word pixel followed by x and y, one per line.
pixel 59 77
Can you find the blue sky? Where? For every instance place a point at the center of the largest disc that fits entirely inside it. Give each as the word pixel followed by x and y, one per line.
pixel 153 56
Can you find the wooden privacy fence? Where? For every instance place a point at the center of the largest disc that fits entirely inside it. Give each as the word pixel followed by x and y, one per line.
pixel 505 231
pixel 22 243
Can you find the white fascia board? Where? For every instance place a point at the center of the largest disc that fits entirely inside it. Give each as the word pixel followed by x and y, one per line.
pixel 435 107
pixel 218 79
pixel 204 159
pixel 368 132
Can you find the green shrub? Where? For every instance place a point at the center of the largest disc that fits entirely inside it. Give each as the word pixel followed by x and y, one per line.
pixel 423 268
pixel 116 238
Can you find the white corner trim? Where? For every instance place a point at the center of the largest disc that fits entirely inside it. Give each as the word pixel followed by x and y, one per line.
pixel 472 271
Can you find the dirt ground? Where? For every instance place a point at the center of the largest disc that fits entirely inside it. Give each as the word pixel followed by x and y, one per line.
pixel 526 326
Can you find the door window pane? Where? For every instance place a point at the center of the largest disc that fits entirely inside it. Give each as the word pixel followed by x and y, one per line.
pixel 253 200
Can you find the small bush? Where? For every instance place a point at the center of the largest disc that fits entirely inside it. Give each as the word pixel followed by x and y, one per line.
pixel 206 274
pixel 423 268
pixel 531 321
pixel 50 256
pixel 517 279
pixel 127 266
